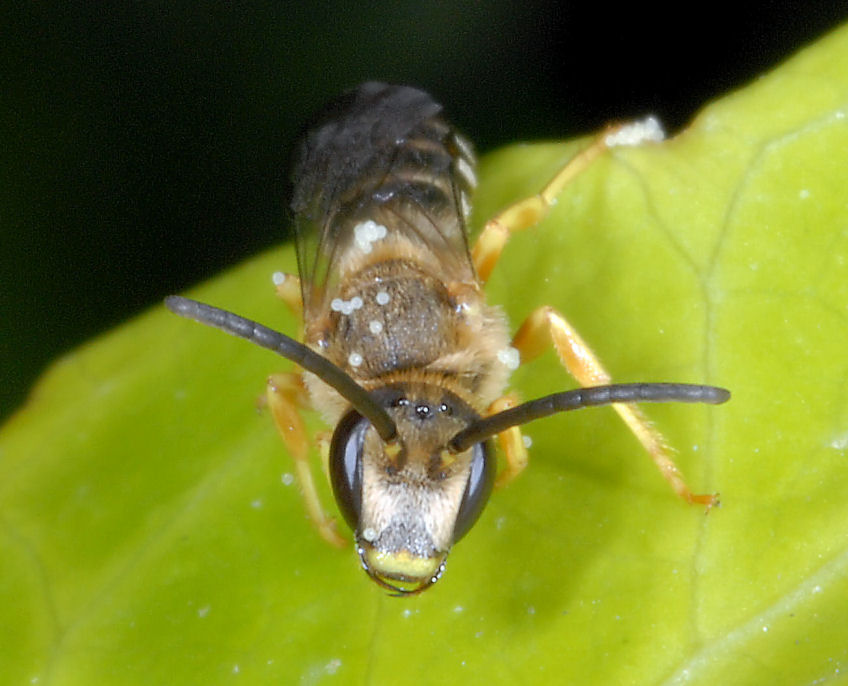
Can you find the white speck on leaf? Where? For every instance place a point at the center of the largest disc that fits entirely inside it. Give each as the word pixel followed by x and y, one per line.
pixel 840 442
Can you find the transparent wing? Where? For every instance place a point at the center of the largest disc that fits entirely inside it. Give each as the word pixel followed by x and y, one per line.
pixel 379 167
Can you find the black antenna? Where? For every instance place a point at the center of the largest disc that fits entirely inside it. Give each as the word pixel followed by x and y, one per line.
pixel 289 348
pixel 585 397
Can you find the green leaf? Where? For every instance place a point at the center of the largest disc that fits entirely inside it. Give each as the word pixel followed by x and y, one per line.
pixel 150 534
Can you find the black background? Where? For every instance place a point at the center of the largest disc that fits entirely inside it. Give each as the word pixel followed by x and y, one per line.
pixel 145 143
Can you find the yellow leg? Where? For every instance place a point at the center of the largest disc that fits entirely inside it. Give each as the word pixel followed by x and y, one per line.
pixel 323 440
pixel 512 444
pixel 529 211
pixel 284 393
pixel 287 287
pixel 546 325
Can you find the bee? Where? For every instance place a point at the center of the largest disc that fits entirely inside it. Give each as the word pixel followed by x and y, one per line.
pixel 401 352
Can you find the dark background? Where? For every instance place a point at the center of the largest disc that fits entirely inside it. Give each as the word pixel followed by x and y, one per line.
pixel 145 143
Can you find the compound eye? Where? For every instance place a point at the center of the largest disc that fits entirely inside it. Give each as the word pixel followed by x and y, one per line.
pixel 478 489
pixel 346 465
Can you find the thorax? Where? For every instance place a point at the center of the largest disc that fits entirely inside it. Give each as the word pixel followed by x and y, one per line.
pixel 394 320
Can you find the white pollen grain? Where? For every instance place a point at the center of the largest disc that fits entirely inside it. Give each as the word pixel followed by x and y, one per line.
pixel 346 307
pixel 636 133
pixel 279 278
pixel 354 359
pixel 528 442
pixel 382 298
pixel 509 357
pixel 369 534
pixel 375 326
pixel 368 232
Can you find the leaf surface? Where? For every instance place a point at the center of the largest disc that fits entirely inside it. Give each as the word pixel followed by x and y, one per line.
pixel 150 532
